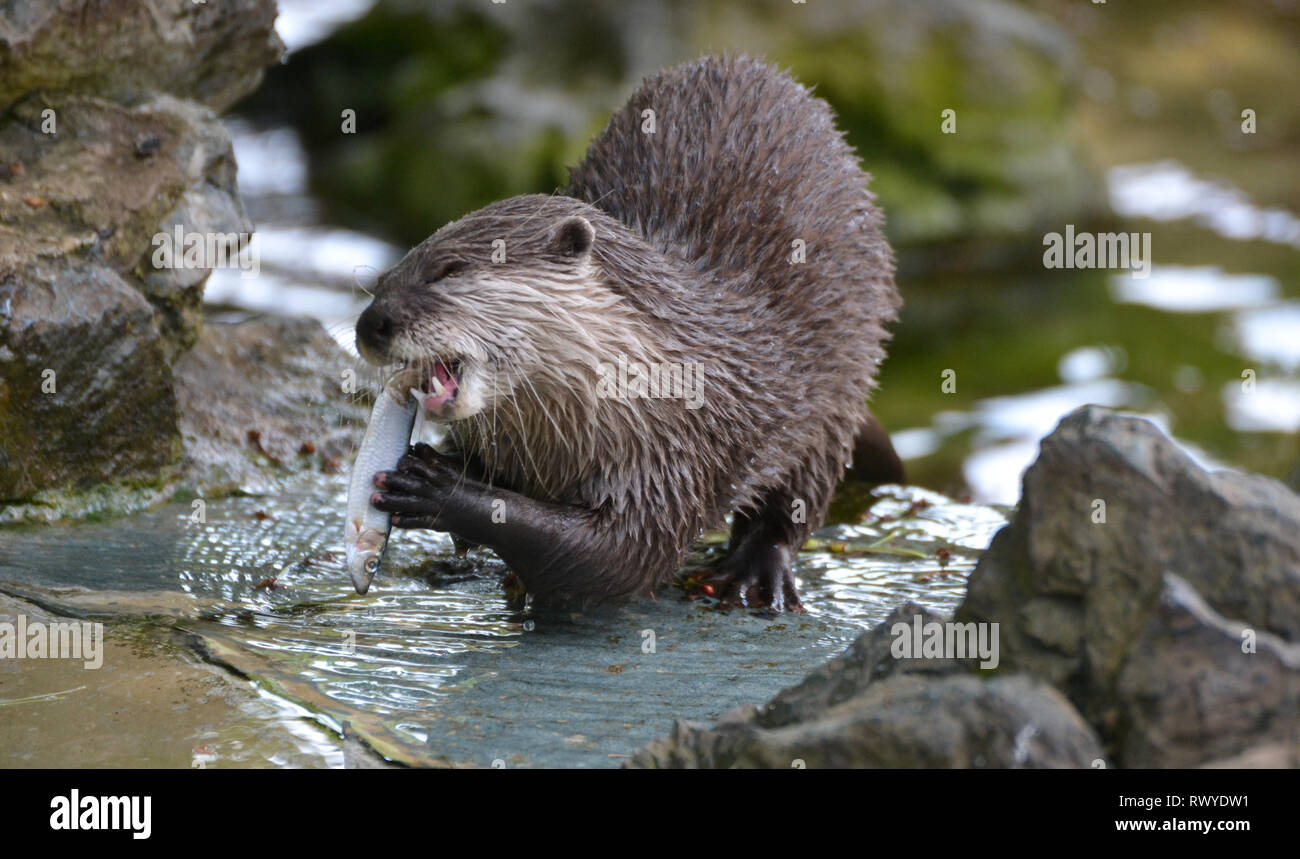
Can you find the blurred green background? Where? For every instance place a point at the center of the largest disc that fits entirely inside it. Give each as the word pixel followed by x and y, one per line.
pixel 1108 116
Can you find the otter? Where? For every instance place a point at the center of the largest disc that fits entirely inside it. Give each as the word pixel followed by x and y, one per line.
pixel 719 230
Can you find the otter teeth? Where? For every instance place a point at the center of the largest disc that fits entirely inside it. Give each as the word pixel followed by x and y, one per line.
pixel 441 386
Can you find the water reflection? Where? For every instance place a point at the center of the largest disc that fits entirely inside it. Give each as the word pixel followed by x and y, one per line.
pixel 1183 289
pixel 1271 335
pixel 1168 191
pixel 305 22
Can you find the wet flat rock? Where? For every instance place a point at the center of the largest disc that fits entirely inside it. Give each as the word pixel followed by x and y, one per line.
pixel 137 706
pixel 436 666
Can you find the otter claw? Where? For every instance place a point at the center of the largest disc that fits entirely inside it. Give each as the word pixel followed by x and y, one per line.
pixel 759 578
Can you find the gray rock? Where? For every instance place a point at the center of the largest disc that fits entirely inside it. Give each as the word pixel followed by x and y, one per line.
pixel 1169 616
pixel 261 401
pixel 109 181
pixel 208 205
pixel 85 393
pixel 1136 618
pixel 907 720
pixel 869 709
pixel 87 186
pixel 80 209
pixel 254 406
pixel 868 660
pixel 126 50
pixel 1264 756
pixel 102 153
pixel 1198 686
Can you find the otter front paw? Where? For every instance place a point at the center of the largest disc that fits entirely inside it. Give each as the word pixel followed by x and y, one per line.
pixel 421 491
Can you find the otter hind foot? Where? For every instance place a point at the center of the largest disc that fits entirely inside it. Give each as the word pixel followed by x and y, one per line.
pixel 757 574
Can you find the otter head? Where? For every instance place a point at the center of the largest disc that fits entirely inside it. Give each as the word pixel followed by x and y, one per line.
pixel 488 309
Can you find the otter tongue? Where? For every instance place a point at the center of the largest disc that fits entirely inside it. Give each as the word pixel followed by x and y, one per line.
pixel 444 384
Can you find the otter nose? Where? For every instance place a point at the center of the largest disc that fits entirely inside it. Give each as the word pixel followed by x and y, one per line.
pixel 374 332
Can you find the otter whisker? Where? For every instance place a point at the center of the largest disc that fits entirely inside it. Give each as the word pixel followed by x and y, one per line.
pixel 559 433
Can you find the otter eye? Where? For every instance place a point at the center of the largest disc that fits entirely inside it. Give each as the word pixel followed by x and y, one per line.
pixel 447 269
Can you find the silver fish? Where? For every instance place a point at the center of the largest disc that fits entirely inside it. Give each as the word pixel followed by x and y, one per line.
pixel 365 534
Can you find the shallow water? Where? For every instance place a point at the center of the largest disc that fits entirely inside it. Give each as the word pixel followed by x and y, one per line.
pixel 435 666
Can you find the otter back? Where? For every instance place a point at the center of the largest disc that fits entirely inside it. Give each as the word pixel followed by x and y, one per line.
pixel 743 161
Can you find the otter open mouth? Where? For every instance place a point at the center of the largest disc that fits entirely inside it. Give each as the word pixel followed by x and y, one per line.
pixel 436 383
pixel 441 385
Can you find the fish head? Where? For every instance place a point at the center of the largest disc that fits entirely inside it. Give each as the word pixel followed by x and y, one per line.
pixel 363 558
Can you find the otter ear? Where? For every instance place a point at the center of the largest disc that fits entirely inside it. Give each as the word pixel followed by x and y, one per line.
pixel 574 236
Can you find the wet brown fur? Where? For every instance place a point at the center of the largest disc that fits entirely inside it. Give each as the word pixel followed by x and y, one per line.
pixel 689 261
